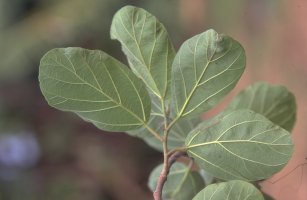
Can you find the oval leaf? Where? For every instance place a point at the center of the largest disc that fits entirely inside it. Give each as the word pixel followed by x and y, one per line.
pixel 181 184
pixel 146 44
pixel 95 86
pixel 231 190
pixel 274 102
pixel 205 69
pixel 240 145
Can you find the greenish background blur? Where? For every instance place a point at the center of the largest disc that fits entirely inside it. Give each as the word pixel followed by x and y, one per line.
pixel 46 154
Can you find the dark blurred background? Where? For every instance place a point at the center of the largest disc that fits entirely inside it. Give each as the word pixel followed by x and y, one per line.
pixel 46 154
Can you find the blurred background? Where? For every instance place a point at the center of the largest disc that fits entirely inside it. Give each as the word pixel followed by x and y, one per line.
pixel 46 154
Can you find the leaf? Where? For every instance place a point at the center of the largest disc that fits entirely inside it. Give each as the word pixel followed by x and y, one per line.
pixel 231 190
pixel 240 145
pixel 96 87
pixel 205 69
pixel 208 178
pixel 177 134
pixel 274 102
pixel 156 123
pixel 181 184
pixel 146 44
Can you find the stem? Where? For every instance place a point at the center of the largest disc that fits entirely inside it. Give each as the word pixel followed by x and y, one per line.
pixel 173 158
pixel 163 176
pixel 169 157
pixel 180 149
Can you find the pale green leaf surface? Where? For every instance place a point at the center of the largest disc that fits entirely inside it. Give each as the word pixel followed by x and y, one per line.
pixel 146 44
pixel 205 69
pixel 240 145
pixel 95 86
pixel 181 184
pixel 208 178
pixel 274 102
pixel 231 190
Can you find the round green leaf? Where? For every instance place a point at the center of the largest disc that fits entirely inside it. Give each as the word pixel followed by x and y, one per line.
pixel 181 184
pixel 146 44
pixel 240 145
pixel 274 102
pixel 231 190
pixel 205 69
pixel 95 86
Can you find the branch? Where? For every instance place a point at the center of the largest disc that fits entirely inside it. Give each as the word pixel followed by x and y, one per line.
pixel 163 176
pixel 173 158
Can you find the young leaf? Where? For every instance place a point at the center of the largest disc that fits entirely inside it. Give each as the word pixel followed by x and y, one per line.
pixel 274 102
pixel 146 44
pixel 181 184
pixel 205 69
pixel 95 86
pixel 240 145
pixel 231 190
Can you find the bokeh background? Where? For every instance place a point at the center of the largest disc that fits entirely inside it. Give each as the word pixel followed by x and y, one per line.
pixel 46 154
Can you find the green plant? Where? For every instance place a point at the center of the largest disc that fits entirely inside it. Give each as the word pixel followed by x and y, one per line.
pixel 161 98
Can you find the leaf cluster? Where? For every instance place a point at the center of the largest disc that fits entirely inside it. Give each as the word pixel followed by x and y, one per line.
pixel 160 97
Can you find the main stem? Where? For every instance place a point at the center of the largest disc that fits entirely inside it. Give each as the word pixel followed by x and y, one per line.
pixel 168 157
pixel 163 176
pixel 171 159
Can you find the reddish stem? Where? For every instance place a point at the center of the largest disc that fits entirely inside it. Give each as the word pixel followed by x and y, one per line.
pixel 163 176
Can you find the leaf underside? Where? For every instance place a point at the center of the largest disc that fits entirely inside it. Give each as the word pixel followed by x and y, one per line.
pixel 205 69
pixel 181 184
pixel 231 190
pixel 96 87
pixel 240 145
pixel 274 102
pixel 147 46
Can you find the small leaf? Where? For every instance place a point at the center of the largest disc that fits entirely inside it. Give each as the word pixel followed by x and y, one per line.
pixel 95 86
pixel 231 190
pixel 181 184
pixel 240 145
pixel 146 44
pixel 205 69
pixel 274 102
